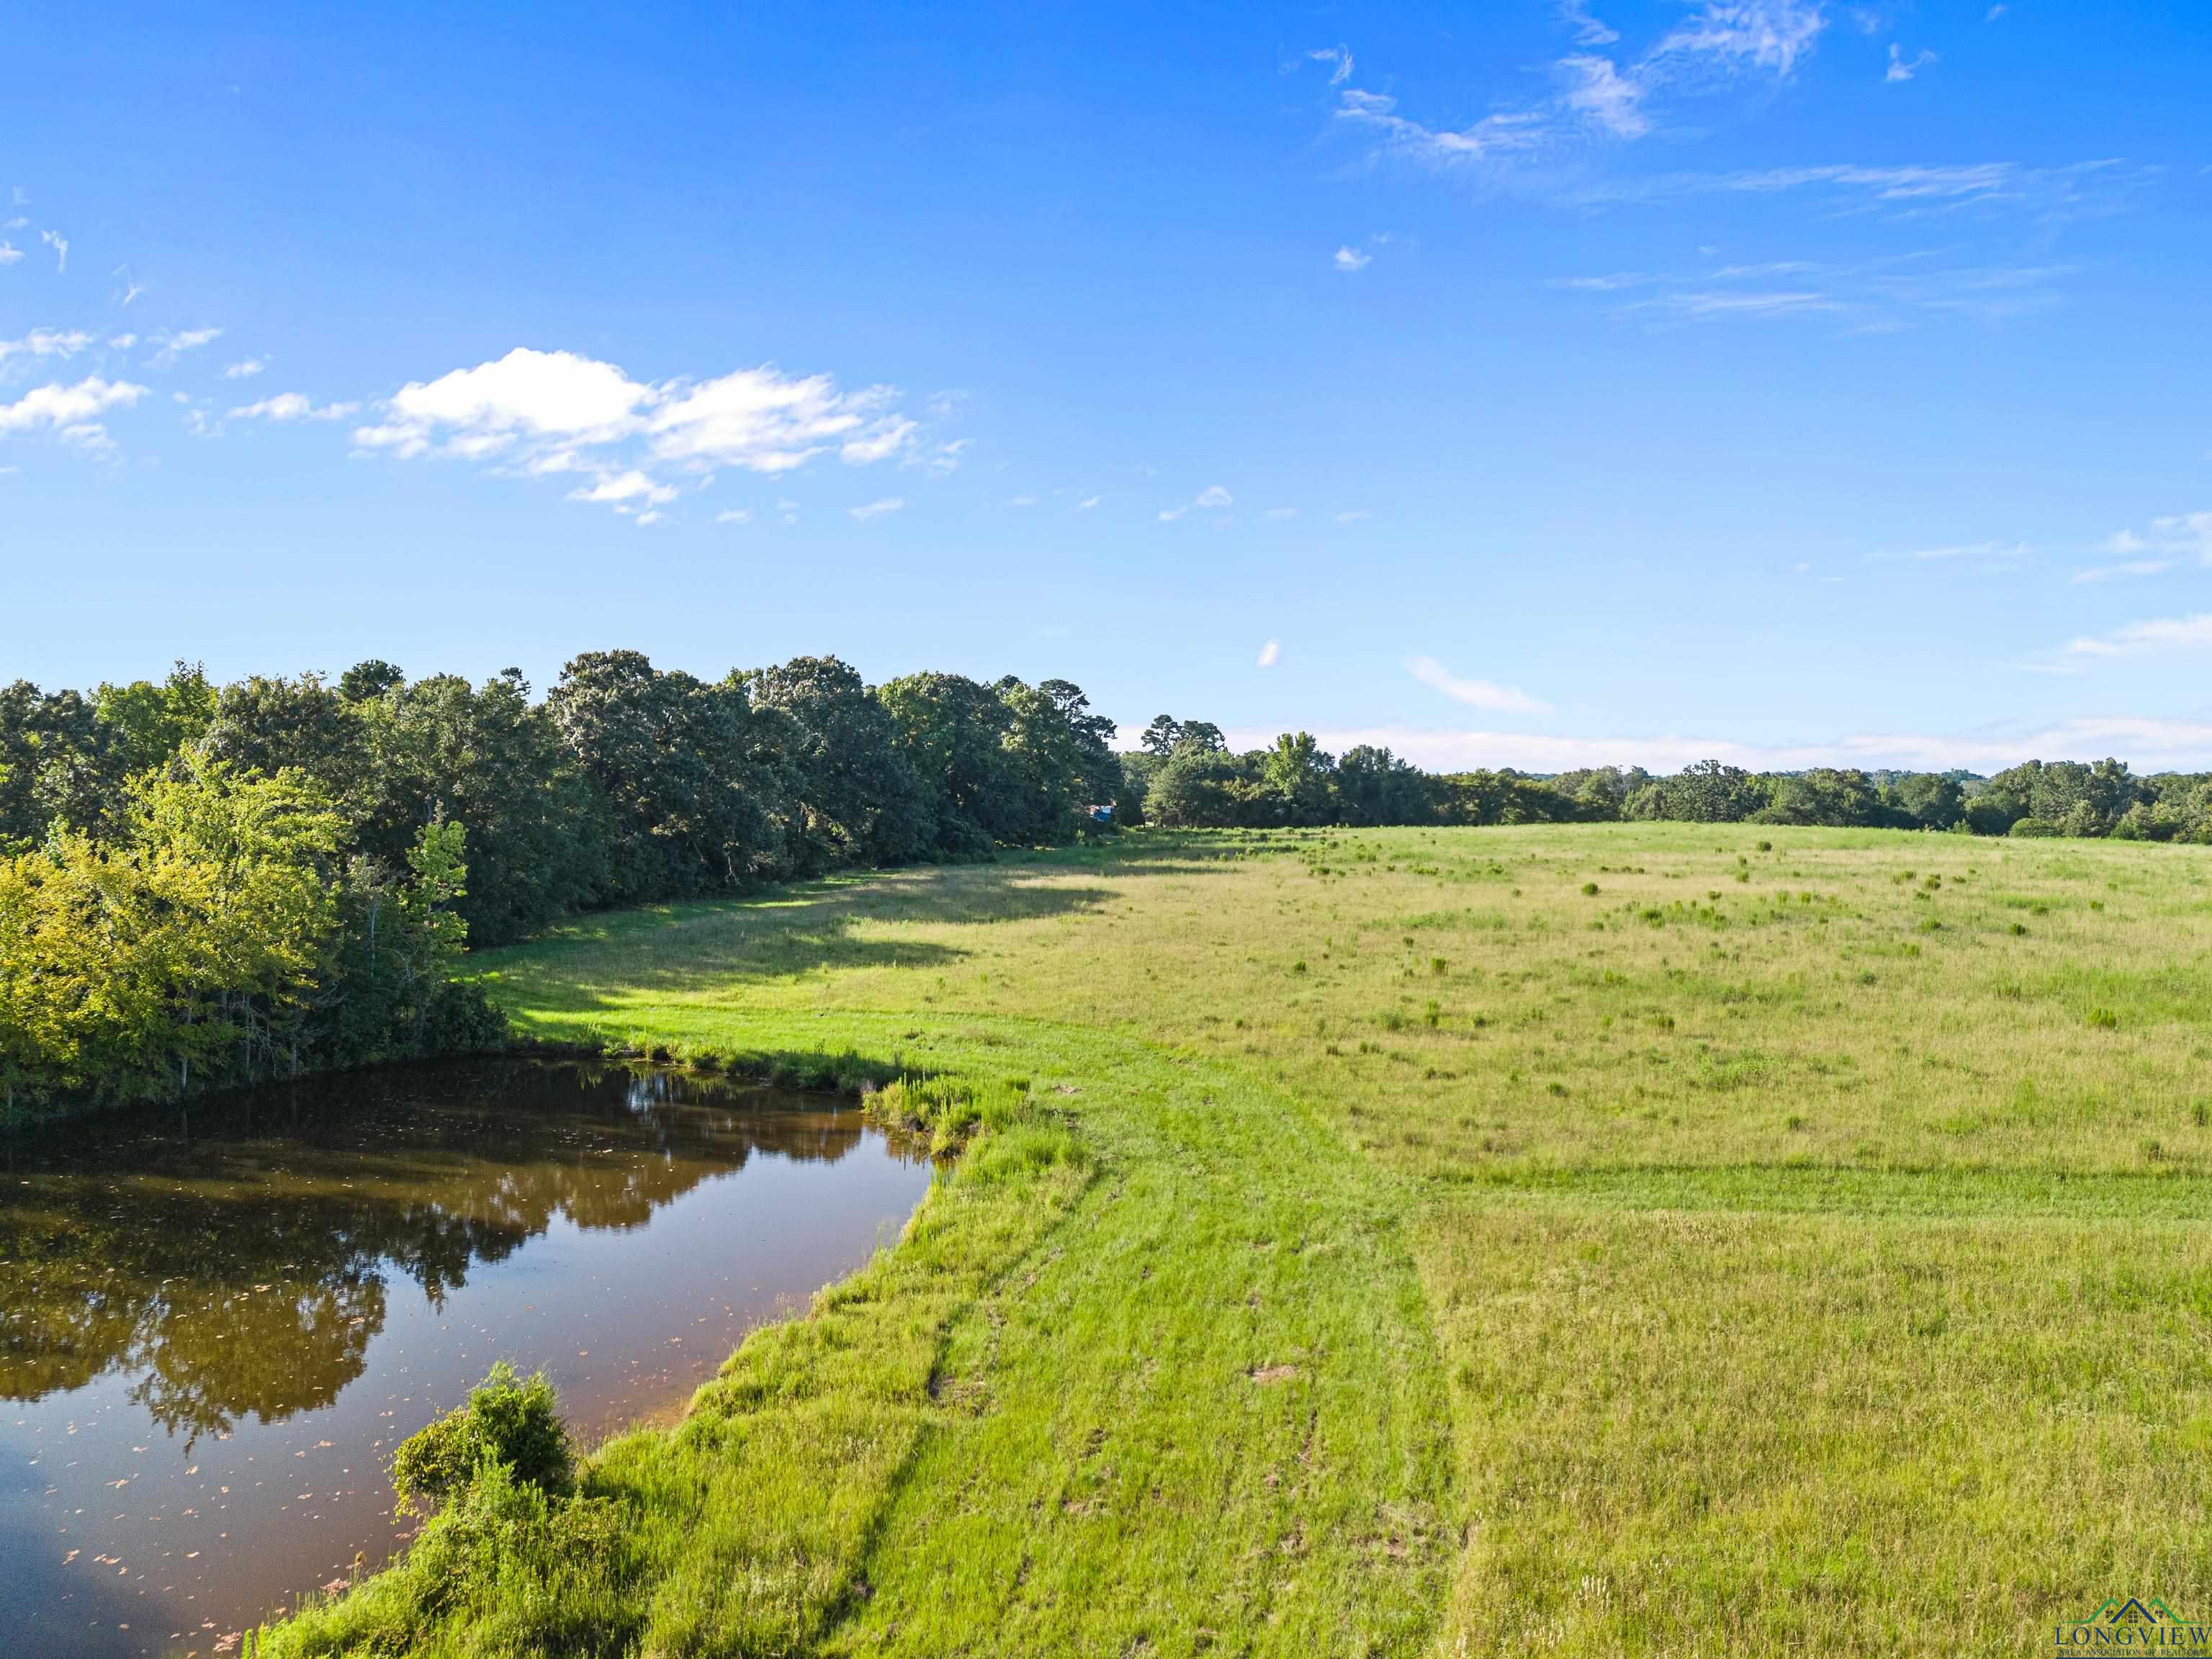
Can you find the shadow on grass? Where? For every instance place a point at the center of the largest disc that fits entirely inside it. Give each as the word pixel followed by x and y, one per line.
pixel 843 922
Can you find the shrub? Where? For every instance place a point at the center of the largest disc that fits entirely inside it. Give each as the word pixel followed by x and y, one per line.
pixel 2035 827
pixel 509 1421
pixel 462 1019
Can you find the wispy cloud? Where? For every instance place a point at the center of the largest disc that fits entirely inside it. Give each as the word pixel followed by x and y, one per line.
pixel 2192 633
pixel 1086 504
pixel 1587 31
pixel 174 345
pixel 45 343
pixel 2104 573
pixel 1271 653
pixel 290 406
pixel 1594 90
pixel 1349 258
pixel 1213 499
pixel 1875 294
pixel 59 243
pixel 1988 554
pixel 877 509
pixel 1596 93
pixel 1476 694
pixel 1338 58
pixel 1902 68
pixel 9 252
pixel 1906 190
pixel 1770 34
pixel 243 371
pixel 2175 537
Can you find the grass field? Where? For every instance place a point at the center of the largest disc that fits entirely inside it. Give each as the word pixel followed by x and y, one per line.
pixel 1601 1239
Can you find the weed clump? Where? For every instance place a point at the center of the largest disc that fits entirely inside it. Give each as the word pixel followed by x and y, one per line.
pixel 509 1421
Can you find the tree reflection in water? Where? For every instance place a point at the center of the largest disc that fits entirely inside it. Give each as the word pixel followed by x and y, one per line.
pixel 235 1254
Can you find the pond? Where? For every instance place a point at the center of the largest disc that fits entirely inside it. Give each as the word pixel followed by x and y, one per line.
pixel 217 1321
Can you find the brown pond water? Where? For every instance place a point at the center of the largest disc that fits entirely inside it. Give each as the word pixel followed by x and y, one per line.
pixel 216 1322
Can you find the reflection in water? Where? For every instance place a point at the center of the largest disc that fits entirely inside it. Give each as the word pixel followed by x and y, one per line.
pixel 226 1272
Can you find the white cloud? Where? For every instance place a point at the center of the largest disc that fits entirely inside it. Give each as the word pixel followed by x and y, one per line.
pixel 1597 92
pixel 549 394
pixel 644 518
pixel 1271 653
pixel 558 411
pixel 734 516
pixel 1478 694
pixel 877 509
pixel 1353 515
pixel 69 409
pixel 2159 634
pixel 1350 258
pixel 1339 58
pixel 1086 504
pixel 123 342
pixel 1770 35
pixel 244 371
pixel 759 419
pixel 1904 69
pixel 56 240
pixel 45 342
pixel 625 487
pixel 10 253
pixel 291 406
pixel 1588 30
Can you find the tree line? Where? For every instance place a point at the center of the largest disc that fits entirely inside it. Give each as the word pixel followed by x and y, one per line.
pixel 1183 775
pixel 204 886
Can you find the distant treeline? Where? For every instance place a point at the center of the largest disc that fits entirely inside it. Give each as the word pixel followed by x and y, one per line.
pixel 202 886
pixel 1184 776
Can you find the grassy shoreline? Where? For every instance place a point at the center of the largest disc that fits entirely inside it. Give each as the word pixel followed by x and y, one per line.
pixel 1132 1330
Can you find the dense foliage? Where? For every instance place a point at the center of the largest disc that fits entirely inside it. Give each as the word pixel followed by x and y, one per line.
pixel 202 886
pixel 1185 777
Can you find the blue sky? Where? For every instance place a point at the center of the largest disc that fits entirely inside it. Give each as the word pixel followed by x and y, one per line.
pixel 1526 384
